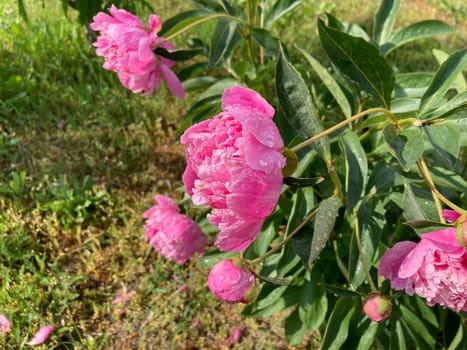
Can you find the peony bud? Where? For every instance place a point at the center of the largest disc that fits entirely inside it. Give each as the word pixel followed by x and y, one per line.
pixel 230 281
pixel 377 306
pixel 462 234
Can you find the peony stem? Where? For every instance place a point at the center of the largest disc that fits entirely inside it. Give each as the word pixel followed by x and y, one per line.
pixel 423 168
pixel 279 245
pixel 340 125
pixel 360 250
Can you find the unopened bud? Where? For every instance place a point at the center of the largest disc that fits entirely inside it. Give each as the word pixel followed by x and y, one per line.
pixel 231 281
pixel 377 306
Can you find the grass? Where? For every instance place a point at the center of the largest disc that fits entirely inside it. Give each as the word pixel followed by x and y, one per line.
pixel 80 159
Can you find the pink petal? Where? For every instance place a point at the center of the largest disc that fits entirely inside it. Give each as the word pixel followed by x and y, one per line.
pixel 173 83
pixel 261 157
pixel 42 335
pixel 5 325
pixel 450 215
pixel 392 260
pixel 235 337
pixel 239 96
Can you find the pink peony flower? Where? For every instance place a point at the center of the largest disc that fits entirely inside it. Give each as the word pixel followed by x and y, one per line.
pixel 5 325
pixel 231 282
pixel 42 335
pixel 377 306
pixel 127 47
pixel 234 165
pixel 435 269
pixel 173 235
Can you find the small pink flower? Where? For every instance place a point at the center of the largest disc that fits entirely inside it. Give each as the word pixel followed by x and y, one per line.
pixel 377 306
pixel 172 234
pixel 232 283
pixel 435 269
pixel 235 337
pixel 42 335
pixel 127 47
pixel 234 165
pixel 5 325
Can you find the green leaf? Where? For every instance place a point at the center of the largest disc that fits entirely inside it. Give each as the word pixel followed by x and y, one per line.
pixel 460 340
pixel 442 81
pixel 370 221
pixel 397 338
pixel 424 226
pixel 360 61
pixel 277 281
pixel 313 303
pixel 266 40
pixel 87 10
pixel 328 211
pixel 303 181
pixel 295 102
pixel 184 20
pixel 22 10
pixel 270 228
pixel 405 107
pixel 209 5
pixel 279 9
pixel 212 258
pixel 384 21
pixel 339 291
pixel 224 38
pixel 411 84
pixel 337 328
pixel 406 146
pixel 330 83
pixel 417 329
pixel 446 141
pixel 200 110
pixel 416 31
pixel 356 166
pixel 412 209
pixel 456 107
pixel 294 328
pixel 287 298
pixel 178 55
pixel 460 83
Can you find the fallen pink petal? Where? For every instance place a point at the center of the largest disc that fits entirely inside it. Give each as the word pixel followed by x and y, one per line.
pixel 235 337
pixel 42 335
pixel 5 325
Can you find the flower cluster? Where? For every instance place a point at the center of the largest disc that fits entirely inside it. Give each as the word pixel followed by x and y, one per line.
pixel 234 165
pixel 127 47
pixel 172 234
pixel 435 268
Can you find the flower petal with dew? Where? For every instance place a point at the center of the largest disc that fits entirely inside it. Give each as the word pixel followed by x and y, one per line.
pixel 231 282
pixel 435 269
pixel 174 235
pixel 234 165
pixel 128 49
pixel 5 325
pixel 42 335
